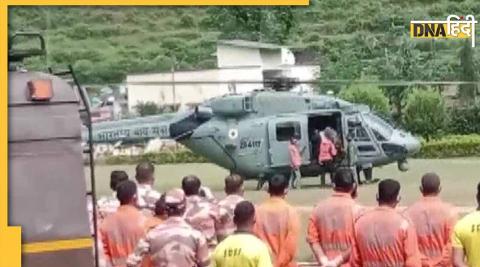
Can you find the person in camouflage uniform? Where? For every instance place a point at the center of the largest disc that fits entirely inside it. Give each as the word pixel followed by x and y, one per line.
pixel 202 214
pixel 174 242
pixel 109 204
pixel 349 159
pixel 206 193
pixel 234 191
pixel 147 196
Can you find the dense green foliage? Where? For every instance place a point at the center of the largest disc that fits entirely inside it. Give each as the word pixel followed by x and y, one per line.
pixel 464 120
pixel 147 108
pixel 425 113
pixel 451 146
pixel 166 157
pixel 369 95
pixel 467 73
pixel 349 38
pixel 273 24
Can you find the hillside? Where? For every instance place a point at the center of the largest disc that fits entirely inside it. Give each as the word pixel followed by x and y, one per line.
pixel 349 38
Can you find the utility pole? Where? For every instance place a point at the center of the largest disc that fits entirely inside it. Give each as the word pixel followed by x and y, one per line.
pixel 173 85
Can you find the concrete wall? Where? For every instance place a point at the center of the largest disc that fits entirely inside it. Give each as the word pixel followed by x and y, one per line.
pixel 271 58
pixel 304 73
pixel 191 93
pixel 288 58
pixel 234 56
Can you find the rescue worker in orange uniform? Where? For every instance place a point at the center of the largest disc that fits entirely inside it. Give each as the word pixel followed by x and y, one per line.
pixel 277 223
pixel 434 221
pixel 331 226
pixel 383 236
pixel 110 204
pixel 327 152
pixel 121 231
pixel 294 153
pixel 160 214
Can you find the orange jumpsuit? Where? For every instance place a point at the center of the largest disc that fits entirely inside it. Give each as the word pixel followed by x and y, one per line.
pixel 327 150
pixel 331 225
pixel 295 157
pixel 120 233
pixel 277 224
pixel 385 238
pixel 152 222
pixel 434 221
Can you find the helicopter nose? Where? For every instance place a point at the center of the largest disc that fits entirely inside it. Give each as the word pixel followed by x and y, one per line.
pixel 412 145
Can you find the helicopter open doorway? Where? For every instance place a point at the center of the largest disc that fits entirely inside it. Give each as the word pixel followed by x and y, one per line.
pixel 319 122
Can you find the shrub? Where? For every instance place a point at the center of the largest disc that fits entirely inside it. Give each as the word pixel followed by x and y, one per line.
pixel 164 157
pixel 147 108
pixel 464 120
pixel 369 95
pixel 425 113
pixel 451 146
pixel 187 21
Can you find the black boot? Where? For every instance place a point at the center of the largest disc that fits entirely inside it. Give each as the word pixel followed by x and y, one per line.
pixel 260 183
pixel 322 180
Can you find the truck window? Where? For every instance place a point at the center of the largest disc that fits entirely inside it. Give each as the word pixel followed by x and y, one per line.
pixel 285 130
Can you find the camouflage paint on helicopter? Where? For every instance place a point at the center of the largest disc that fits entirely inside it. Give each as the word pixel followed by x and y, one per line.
pixel 248 134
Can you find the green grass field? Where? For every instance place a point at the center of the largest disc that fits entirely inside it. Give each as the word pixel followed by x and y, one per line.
pixel 459 180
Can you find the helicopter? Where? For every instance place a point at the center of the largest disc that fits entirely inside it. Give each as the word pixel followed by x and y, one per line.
pixel 249 133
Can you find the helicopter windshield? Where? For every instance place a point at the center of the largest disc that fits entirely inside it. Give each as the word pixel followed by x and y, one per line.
pixel 382 130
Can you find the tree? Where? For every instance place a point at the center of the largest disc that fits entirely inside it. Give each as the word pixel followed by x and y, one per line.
pixel 399 64
pixel 369 95
pixel 273 24
pixel 467 92
pixel 425 113
pixel 147 108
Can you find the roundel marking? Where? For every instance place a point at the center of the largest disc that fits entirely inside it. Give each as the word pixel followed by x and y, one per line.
pixel 233 133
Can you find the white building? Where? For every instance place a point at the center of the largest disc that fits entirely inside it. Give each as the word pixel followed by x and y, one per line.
pixel 190 87
pixel 243 66
pixel 235 53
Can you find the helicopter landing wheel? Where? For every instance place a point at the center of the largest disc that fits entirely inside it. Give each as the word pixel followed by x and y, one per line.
pixel 260 183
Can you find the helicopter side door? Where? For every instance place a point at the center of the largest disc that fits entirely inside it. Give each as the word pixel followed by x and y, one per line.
pixel 367 147
pixel 280 129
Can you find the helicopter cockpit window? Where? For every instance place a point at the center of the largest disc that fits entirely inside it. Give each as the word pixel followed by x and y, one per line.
pixel 379 136
pixel 382 130
pixel 361 134
pixel 285 130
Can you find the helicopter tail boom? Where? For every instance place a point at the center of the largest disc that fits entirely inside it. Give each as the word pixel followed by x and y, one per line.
pixel 165 126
